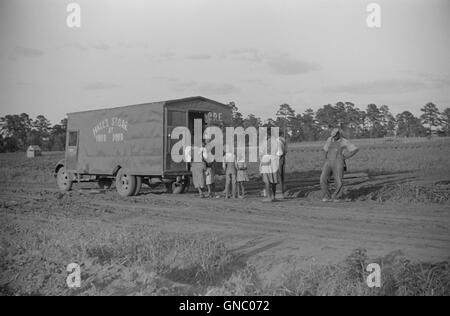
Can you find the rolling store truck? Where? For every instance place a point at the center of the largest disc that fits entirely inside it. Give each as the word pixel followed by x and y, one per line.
pixel 132 145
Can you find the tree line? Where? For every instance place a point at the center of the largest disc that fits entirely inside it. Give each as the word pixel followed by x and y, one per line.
pixel 17 132
pixel 373 122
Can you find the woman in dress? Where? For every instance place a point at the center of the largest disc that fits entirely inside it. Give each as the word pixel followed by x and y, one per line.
pixel 241 176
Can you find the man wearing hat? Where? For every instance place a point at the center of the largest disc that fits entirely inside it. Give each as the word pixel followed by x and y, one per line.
pixel 337 150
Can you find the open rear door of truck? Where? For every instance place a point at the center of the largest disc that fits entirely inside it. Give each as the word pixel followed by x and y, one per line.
pixel 175 118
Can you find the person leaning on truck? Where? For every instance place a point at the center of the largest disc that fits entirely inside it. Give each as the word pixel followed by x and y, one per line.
pixel 337 149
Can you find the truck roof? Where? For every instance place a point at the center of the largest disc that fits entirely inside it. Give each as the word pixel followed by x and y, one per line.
pixel 160 103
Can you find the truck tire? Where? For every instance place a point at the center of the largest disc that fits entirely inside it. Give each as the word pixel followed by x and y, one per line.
pixel 125 183
pixel 138 185
pixel 63 180
pixel 104 183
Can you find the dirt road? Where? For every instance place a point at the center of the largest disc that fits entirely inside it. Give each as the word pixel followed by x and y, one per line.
pixel 296 231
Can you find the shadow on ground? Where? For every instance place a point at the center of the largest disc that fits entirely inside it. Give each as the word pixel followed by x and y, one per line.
pixel 358 185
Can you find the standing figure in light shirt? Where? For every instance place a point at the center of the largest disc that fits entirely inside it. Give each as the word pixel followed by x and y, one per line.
pixel 229 165
pixel 269 165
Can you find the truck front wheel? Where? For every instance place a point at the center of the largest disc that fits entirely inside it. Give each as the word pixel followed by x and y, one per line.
pixel 63 179
pixel 125 183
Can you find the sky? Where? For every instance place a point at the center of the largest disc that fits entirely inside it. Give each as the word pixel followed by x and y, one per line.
pixel 257 53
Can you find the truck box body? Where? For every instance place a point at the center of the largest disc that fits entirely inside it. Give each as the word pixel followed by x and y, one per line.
pixel 135 138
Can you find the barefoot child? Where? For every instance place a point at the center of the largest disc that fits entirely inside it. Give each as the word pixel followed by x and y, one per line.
pixel 241 176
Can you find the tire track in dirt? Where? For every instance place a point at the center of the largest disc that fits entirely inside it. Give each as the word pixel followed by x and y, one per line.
pixel 285 226
pixel 258 223
pixel 264 216
pixel 260 209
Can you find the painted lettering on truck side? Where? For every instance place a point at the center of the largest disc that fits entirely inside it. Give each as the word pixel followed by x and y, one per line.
pixel 211 117
pixel 107 127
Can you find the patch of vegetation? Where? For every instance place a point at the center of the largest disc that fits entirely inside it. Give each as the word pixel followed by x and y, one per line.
pixel 411 193
pixel 113 260
pixel 135 261
pixel 244 282
pixel 399 277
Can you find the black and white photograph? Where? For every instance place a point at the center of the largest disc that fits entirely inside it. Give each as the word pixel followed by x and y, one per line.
pixel 224 153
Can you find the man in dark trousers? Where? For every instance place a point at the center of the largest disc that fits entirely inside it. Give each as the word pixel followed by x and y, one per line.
pixel 337 150
pixel 281 154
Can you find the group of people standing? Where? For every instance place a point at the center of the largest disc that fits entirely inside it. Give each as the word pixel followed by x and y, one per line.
pixel 272 168
pixel 204 172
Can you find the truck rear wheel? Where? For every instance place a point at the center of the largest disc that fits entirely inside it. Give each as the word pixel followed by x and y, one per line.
pixel 63 180
pixel 138 185
pixel 125 183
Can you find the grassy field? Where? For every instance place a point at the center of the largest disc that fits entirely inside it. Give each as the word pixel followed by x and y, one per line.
pixel 135 261
pixel 426 158
pixel 381 141
pixel 116 261
pixel 16 167
pixel 389 157
pixel 421 156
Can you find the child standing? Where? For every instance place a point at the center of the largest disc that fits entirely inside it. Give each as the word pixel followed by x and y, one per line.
pixel 229 165
pixel 268 167
pixel 210 173
pixel 241 176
